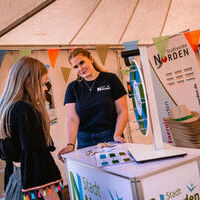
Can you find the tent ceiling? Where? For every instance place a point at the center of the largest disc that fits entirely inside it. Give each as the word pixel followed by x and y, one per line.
pixel 147 21
pixel 11 11
pixel 100 21
pixel 184 14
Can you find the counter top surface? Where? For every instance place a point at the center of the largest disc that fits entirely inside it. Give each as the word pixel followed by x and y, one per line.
pixel 133 169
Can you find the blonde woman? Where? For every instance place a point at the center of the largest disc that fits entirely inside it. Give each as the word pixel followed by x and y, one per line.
pixel 25 140
pixel 95 103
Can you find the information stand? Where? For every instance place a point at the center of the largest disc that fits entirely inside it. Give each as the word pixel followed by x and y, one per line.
pixel 164 178
pixel 176 178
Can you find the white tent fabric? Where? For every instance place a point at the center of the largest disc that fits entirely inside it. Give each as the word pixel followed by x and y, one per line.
pixel 100 21
pixel 10 10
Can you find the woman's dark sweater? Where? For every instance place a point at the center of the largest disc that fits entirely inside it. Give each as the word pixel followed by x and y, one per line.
pixel 27 145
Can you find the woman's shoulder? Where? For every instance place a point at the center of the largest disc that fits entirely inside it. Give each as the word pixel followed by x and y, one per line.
pixel 75 83
pixel 109 75
pixel 21 107
pixel 20 111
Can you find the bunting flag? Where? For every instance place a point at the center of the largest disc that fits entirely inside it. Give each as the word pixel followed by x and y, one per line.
pixel 53 54
pixel 131 45
pixel 65 72
pixel 102 51
pixel 47 66
pixel 2 54
pixel 161 44
pixel 24 52
pixel 193 39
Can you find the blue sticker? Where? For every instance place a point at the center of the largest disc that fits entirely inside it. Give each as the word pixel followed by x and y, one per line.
pixel 102 156
pixel 104 163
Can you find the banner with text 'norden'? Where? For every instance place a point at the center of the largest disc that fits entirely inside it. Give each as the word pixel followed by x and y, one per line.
pixel 176 75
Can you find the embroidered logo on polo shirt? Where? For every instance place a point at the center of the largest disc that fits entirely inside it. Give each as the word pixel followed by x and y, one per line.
pixel 103 88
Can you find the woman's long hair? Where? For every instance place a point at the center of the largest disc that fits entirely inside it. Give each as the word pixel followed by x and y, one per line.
pixel 86 53
pixel 30 70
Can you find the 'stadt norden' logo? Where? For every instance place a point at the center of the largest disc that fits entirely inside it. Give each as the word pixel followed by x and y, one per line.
pixel 172 54
pixel 170 195
pixel 178 194
pixel 86 189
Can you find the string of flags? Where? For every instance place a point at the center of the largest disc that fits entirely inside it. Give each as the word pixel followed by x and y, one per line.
pixel 102 51
pixel 161 44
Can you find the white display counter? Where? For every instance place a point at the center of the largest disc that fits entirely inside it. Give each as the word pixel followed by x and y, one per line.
pixel 172 178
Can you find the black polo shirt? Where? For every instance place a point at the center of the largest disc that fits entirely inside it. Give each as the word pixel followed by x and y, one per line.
pixel 96 108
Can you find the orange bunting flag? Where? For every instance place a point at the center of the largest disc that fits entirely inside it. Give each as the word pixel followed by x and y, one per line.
pixel 65 73
pixel 53 54
pixel 193 39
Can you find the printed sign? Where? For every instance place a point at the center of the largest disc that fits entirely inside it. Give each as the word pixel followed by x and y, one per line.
pixel 173 185
pixel 176 78
pixel 87 183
